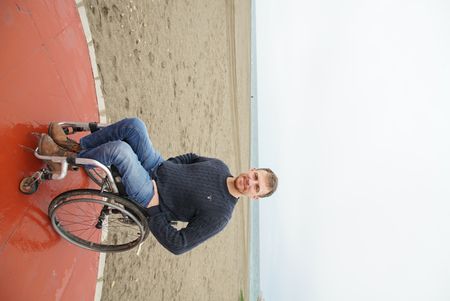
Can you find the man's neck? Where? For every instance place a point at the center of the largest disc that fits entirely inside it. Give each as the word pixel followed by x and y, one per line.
pixel 231 189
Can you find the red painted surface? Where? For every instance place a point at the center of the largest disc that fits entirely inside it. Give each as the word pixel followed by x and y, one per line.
pixel 45 75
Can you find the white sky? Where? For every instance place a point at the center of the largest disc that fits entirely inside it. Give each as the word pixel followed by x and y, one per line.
pixel 354 115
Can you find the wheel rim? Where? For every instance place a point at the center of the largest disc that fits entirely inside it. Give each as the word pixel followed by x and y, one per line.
pixel 75 218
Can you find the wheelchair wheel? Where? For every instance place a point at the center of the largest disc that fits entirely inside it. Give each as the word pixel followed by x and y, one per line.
pixel 29 185
pixel 98 221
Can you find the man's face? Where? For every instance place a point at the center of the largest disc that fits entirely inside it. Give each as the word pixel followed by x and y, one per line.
pixel 252 183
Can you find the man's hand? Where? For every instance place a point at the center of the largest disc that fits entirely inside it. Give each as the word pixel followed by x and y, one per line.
pixel 155 199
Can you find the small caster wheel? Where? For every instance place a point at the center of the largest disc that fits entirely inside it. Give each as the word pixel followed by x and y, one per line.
pixel 28 185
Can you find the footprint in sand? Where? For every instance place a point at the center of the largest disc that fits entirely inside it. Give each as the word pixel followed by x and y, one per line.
pixel 114 62
pixel 151 58
pixel 137 53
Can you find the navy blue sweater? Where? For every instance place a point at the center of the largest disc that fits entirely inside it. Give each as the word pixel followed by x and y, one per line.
pixel 191 189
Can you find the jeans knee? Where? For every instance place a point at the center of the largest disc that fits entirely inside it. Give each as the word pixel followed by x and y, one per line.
pixel 137 123
pixel 121 149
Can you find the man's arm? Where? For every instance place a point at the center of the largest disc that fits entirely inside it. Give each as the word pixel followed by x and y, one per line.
pixel 180 241
pixel 189 158
pixel 185 158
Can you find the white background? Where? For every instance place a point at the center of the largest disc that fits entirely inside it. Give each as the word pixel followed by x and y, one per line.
pixel 354 116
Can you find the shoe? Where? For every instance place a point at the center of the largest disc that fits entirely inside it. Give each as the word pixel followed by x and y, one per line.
pixel 59 136
pixel 47 147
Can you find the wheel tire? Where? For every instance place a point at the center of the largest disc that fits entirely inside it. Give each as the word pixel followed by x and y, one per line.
pixel 75 215
pixel 28 185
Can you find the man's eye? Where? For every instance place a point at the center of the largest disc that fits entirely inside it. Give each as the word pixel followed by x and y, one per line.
pixel 256 176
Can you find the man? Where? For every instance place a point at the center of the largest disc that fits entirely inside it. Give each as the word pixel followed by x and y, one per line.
pixel 188 188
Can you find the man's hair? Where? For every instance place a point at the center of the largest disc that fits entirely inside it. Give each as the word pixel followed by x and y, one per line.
pixel 272 181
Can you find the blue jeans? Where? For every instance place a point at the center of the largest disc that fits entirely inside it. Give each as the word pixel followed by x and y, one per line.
pixel 126 145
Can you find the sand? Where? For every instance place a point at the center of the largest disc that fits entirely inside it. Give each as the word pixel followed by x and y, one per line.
pixel 183 67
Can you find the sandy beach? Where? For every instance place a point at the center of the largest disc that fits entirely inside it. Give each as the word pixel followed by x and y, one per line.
pixel 184 68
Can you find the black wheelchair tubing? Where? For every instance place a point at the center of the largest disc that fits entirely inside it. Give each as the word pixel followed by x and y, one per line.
pixel 128 204
pixel 93 127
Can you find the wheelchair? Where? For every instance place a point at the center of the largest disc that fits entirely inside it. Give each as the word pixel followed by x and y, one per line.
pixel 101 220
